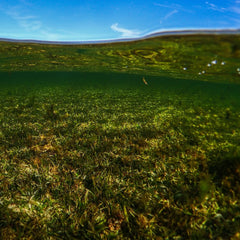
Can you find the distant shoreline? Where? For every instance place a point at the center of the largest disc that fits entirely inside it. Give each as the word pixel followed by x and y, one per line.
pixel 119 40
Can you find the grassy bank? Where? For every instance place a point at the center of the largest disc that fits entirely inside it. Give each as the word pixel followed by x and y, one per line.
pixel 104 156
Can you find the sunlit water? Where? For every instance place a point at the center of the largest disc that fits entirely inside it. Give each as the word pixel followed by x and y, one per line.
pixel 131 139
pixel 193 63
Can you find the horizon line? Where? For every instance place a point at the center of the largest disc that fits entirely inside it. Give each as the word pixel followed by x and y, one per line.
pixel 153 34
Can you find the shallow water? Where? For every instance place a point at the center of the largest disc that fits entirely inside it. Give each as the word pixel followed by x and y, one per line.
pixel 196 57
pixel 124 133
pixel 27 83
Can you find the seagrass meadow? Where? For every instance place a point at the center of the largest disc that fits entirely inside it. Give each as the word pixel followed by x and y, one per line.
pixel 127 140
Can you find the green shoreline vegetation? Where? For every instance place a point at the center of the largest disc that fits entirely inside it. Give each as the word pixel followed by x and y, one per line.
pixel 89 151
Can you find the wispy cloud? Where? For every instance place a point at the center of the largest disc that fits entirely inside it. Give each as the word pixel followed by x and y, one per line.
pixel 28 22
pixel 236 20
pixel 125 32
pixel 168 15
pixel 171 13
pixel 215 7
pixel 174 6
pixel 235 8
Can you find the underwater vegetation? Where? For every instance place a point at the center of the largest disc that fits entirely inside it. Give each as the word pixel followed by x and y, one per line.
pixel 121 141
pixel 202 57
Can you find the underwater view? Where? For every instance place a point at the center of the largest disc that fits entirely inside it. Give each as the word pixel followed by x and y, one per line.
pixel 120 120
pixel 122 140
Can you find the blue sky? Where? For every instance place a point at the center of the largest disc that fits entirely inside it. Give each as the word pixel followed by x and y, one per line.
pixel 76 20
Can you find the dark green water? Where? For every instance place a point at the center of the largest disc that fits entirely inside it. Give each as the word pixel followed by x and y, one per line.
pixel 129 141
pixel 28 83
pixel 196 57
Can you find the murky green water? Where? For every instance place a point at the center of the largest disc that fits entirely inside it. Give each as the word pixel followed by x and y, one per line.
pixel 156 64
pixel 201 57
pixel 128 140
